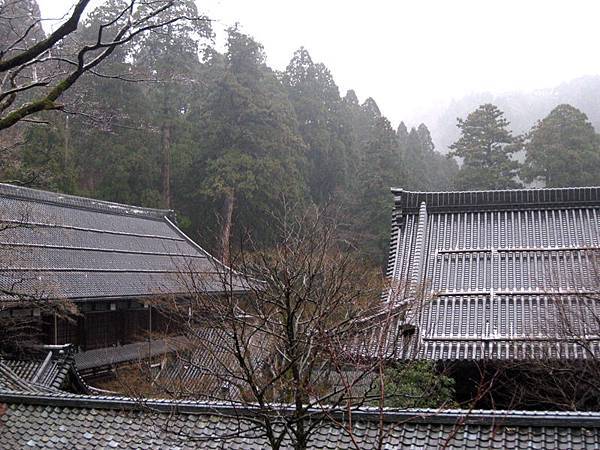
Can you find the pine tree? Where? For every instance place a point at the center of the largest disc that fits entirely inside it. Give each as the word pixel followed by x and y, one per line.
pixel 113 160
pixel 379 168
pixel 20 27
pixel 563 150
pixel 318 106
pixel 227 136
pixel 426 169
pixel 416 159
pixel 114 145
pixel 486 147
pixel 440 169
pixel 252 155
pixel 402 133
pixel 171 57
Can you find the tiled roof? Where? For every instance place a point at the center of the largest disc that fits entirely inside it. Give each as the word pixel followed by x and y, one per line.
pixel 501 199
pixel 10 379
pixel 498 274
pixel 115 355
pixel 36 373
pixel 203 368
pixel 71 421
pixel 61 246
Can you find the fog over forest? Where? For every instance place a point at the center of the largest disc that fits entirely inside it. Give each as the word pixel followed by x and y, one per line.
pixel 221 126
pixel 522 108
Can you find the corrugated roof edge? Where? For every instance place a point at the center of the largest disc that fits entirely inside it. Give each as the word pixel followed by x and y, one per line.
pixel 74 201
pixel 410 201
pixel 451 416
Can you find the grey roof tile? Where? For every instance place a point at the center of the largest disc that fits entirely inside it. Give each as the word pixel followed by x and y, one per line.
pixel 499 269
pixel 83 422
pixel 37 372
pixel 81 248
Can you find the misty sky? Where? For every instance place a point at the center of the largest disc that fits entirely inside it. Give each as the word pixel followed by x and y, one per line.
pixel 413 55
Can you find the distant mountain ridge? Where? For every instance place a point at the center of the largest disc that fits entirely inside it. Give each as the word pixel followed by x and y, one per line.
pixel 522 109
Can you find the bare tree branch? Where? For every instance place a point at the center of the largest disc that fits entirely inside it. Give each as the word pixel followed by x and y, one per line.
pixel 88 57
pixel 33 52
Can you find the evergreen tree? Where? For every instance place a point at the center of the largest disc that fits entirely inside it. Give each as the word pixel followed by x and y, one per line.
pixel 440 169
pixel 379 167
pixel 426 169
pixel 104 146
pixel 223 138
pixel 563 150
pixel 106 139
pixel 39 69
pixel 20 27
pixel 418 385
pixel 445 170
pixel 402 133
pixel 350 98
pixel 486 147
pixel 318 105
pixel 415 157
pixel 170 56
pixel 253 154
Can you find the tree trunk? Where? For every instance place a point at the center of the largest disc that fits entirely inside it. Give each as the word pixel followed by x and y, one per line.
pixel 68 178
pixel 67 171
pixel 165 172
pixel 67 146
pixel 227 223
pixel 301 436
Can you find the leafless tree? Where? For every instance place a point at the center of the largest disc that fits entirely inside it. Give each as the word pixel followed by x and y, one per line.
pixel 285 340
pixel 299 334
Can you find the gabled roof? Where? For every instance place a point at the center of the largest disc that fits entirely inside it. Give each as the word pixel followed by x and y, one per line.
pixel 511 274
pixel 62 246
pixel 77 421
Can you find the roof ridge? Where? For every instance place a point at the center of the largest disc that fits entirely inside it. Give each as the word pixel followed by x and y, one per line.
pixel 497 199
pixel 450 416
pixel 471 191
pixel 80 202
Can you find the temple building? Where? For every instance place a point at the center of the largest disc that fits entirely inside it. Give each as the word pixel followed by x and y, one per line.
pixel 495 277
pixel 105 261
pixel 477 279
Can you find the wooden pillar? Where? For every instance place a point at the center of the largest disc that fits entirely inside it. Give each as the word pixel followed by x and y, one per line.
pixel 55 329
pixel 149 329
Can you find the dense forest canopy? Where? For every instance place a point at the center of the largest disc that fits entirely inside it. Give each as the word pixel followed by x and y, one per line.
pixel 228 142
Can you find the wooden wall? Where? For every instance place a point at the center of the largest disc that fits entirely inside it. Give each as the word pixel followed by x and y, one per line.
pixel 104 324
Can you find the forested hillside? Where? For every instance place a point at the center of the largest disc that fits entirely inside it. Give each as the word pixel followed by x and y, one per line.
pixel 222 138
pixel 230 144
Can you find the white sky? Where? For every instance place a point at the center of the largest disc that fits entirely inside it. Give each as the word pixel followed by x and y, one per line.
pixel 413 55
